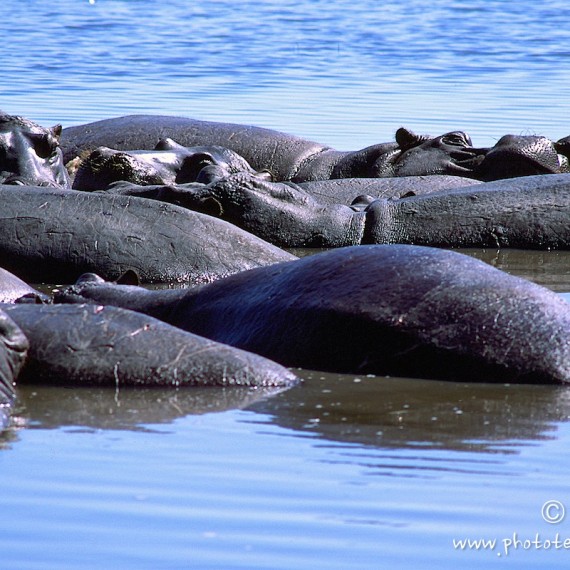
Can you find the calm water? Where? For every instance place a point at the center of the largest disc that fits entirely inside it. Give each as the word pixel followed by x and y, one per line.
pixel 341 472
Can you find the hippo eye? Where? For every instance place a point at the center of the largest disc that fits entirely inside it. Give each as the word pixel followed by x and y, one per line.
pixel 457 138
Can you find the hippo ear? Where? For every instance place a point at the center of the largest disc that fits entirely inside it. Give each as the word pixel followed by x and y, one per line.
pixel 563 146
pixel 192 165
pixel 407 139
pixel 129 277
pixel 56 131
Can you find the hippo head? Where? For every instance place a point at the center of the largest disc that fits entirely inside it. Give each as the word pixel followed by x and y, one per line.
pixel 417 155
pixel 30 154
pixel 169 163
pixel 514 156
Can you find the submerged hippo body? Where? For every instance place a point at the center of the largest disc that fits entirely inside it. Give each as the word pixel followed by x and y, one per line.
pixel 262 148
pixel 106 346
pixel 56 235
pixel 30 154
pixel 528 212
pixel 13 351
pixel 398 310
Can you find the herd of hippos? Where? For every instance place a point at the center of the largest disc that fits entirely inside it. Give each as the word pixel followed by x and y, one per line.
pixel 137 200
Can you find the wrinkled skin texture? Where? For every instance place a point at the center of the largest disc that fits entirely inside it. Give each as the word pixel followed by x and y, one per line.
pixel 13 288
pixel 30 154
pixel 526 212
pixel 413 311
pixel 514 156
pixel 55 236
pixel 168 163
pixel 89 345
pixel 347 190
pixel 13 351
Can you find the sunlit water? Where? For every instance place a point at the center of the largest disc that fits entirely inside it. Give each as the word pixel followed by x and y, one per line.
pixel 341 472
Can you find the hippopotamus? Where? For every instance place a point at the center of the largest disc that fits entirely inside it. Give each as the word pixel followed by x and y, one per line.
pixel 168 163
pixel 137 173
pixel 80 345
pixel 13 352
pixel 399 310
pixel 30 154
pixel 531 212
pixel 55 235
pixel 288 157
pixel 13 288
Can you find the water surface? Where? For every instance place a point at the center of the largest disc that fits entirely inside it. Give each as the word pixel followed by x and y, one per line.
pixel 342 471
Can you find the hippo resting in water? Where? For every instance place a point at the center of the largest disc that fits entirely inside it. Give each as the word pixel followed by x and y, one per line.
pixel 288 157
pixel 56 235
pixel 531 212
pixel 82 345
pixel 172 164
pixel 30 154
pixel 396 309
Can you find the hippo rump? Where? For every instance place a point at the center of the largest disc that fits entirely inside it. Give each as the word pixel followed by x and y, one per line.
pixel 288 157
pixel 387 309
pixel 13 288
pixel 88 345
pixel 30 154
pixel 56 235
pixel 531 212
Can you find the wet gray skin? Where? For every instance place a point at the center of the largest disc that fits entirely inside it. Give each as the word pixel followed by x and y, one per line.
pixel 90 345
pixel 50 235
pixel 526 212
pixel 13 288
pixel 407 310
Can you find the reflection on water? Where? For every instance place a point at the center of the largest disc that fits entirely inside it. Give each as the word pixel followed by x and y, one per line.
pixel 53 407
pixel 366 410
pixel 387 469
pixel 399 412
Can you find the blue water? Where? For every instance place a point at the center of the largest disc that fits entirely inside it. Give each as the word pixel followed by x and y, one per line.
pixel 341 472
pixel 341 72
